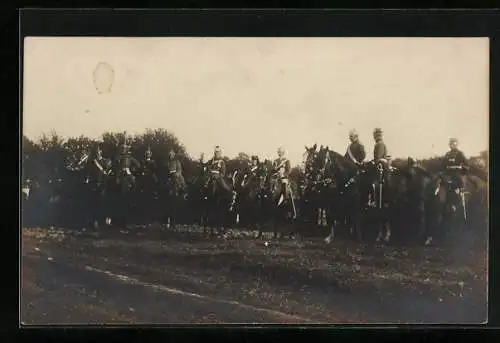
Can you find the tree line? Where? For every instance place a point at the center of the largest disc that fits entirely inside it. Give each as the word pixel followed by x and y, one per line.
pixel 43 155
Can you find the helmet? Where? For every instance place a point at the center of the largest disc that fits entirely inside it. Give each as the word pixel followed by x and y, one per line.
pixel 353 133
pixel 148 152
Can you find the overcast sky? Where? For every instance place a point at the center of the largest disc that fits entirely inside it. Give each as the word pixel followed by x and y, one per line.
pixel 255 94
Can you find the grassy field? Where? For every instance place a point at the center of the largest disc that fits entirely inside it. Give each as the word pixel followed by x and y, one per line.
pixel 151 275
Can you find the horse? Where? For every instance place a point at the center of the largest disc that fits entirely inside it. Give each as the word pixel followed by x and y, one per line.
pixel 340 193
pixel 310 204
pixel 95 172
pixel 405 194
pixel 215 202
pixel 280 203
pixel 173 195
pixel 125 187
pixel 253 199
pixel 149 189
pixel 46 190
pixel 447 208
pixel 397 201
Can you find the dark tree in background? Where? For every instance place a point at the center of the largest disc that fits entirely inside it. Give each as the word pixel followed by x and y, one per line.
pixel 46 158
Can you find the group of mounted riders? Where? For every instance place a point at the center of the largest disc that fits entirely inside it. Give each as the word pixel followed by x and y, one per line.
pixel 334 189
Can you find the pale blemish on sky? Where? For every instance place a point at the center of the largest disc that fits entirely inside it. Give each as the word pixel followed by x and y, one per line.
pixel 255 94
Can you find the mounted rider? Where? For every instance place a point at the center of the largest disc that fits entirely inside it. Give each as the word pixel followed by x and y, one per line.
pixel 149 165
pixel 127 161
pixel 455 165
pixel 381 160
pixel 355 151
pixel 251 171
pixel 102 163
pixel 174 169
pixel 217 169
pixel 280 174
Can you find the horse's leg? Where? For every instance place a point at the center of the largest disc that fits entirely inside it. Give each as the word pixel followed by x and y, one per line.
pixel 331 236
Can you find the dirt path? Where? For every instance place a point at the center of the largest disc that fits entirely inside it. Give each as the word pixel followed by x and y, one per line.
pixel 145 275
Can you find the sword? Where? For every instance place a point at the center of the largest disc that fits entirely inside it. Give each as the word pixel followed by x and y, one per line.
pixel 462 197
pixel 380 195
pixel 293 202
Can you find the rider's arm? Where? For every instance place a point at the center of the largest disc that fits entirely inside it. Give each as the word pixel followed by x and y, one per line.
pixel 178 168
pixel 362 153
pixel 223 168
pixel 462 159
pixel 378 152
pixel 287 168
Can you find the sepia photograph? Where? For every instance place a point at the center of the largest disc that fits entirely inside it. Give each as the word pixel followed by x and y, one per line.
pixel 217 180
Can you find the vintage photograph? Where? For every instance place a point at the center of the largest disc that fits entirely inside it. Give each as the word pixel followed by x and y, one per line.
pixel 203 180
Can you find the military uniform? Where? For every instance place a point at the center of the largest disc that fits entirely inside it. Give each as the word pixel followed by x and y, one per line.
pixel 174 169
pixel 217 169
pixel 455 163
pixel 356 152
pixel 380 158
pixel 281 172
pixel 250 171
pixel 127 161
pixel 380 151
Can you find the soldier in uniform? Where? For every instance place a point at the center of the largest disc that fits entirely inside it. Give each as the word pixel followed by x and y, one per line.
pixel 251 171
pixel 381 159
pixel 280 173
pixel 150 167
pixel 127 161
pixel 217 169
pixel 355 151
pixel 174 169
pixel 380 153
pixel 455 164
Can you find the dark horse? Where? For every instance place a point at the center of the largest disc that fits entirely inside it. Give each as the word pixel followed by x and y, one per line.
pixel 148 189
pixel 310 199
pixel 214 202
pixel 397 201
pixel 254 199
pixel 125 189
pixel 172 196
pixel 340 193
pixel 281 207
pixel 95 171
pixel 447 211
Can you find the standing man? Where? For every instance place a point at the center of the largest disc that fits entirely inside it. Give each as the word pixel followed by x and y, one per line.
pixel 355 151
